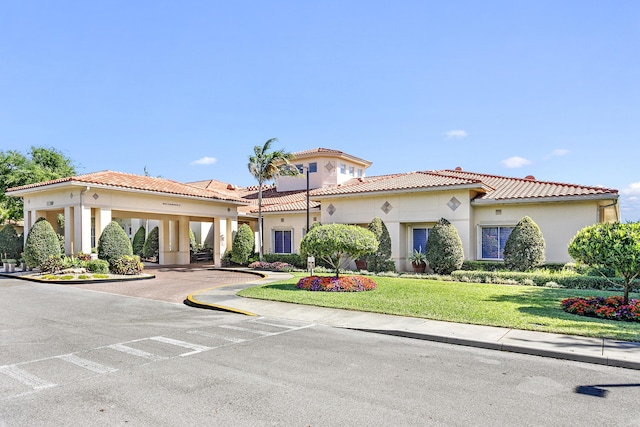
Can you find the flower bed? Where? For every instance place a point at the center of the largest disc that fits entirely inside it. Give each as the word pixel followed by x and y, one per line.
pixel 333 284
pixel 612 308
pixel 273 266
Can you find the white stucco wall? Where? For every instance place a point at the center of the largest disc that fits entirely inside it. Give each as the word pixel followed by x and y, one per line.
pixel 559 222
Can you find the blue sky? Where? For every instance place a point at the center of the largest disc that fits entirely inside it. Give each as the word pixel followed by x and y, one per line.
pixel 187 89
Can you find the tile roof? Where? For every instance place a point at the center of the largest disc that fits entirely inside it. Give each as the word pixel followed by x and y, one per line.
pixel 509 188
pixel 274 201
pixel 491 187
pixel 331 153
pixel 137 182
pixel 395 182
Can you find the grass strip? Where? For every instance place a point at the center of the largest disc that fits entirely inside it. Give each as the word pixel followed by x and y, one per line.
pixel 509 306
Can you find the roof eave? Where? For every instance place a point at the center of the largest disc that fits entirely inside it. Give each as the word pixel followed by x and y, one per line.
pixel 471 186
pixel 548 199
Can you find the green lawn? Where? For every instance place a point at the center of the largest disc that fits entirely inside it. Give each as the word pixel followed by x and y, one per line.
pixel 518 307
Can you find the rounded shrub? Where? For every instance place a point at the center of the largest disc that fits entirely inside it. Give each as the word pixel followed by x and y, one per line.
pixel 444 250
pixel 243 245
pixel 113 243
pixel 127 265
pixel 138 241
pixel 98 266
pixel 151 246
pixel 10 243
pixel 524 248
pixel 42 243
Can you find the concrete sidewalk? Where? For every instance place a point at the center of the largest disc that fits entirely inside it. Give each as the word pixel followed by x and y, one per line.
pixel 608 352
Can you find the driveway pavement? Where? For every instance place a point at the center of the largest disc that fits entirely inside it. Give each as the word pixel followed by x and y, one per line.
pixel 205 287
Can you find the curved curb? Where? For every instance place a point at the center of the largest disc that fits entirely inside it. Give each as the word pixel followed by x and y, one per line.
pixel 192 302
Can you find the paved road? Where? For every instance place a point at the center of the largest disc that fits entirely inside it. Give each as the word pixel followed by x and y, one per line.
pixel 69 356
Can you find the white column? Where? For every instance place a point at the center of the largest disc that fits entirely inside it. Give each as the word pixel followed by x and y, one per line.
pixel 184 255
pixel 68 229
pixel 164 255
pixel 219 244
pixel 85 240
pixel 103 218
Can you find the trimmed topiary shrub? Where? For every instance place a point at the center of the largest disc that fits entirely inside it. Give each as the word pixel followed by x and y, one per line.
pixel 138 241
pixel 444 250
pixel 10 243
pixel 42 243
pixel 113 243
pixel 293 259
pixel 524 248
pixel 380 260
pixel 151 248
pixel 337 244
pixel 127 265
pixel 99 266
pixel 243 245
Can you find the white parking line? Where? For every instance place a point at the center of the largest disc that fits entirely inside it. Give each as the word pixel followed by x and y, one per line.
pixel 238 328
pixel 212 335
pixel 87 364
pixel 195 347
pixel 25 377
pixel 135 352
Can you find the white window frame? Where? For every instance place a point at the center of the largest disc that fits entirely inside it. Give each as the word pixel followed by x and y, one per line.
pixel 412 227
pixel 273 239
pixel 479 253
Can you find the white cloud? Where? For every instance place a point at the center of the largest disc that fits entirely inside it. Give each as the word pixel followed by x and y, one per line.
pixel 515 162
pixel 456 134
pixel 204 161
pixel 632 189
pixel 560 152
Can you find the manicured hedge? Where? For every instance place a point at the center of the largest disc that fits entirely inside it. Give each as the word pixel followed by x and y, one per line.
pixel 569 281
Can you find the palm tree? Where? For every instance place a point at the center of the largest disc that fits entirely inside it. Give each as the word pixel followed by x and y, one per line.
pixel 266 166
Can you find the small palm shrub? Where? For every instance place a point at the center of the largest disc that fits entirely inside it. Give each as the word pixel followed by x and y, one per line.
pixel 151 246
pixel 99 266
pixel 243 245
pixel 42 243
pixel 138 241
pixel 524 248
pixel 127 265
pixel 113 243
pixel 444 248
pixel 10 242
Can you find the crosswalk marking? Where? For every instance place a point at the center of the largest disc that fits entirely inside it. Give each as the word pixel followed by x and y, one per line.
pixel 25 377
pixel 212 335
pixel 87 364
pixel 135 352
pixel 195 347
pixel 239 328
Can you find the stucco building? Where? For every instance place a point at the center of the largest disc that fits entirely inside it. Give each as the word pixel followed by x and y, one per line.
pixel 333 188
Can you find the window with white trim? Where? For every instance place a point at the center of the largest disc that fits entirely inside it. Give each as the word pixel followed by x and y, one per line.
pixel 351 170
pixel 419 238
pixel 313 167
pixel 492 241
pixel 282 240
pixel 343 168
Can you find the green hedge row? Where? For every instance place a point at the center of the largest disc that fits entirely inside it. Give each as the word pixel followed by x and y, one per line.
pixel 569 281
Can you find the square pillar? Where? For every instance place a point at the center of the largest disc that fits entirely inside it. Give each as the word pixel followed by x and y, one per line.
pixel 219 239
pixel 68 229
pixel 183 247
pixel 103 218
pixel 164 251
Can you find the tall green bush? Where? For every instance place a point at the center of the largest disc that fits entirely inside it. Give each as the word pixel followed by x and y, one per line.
pixel 10 242
pixel 138 241
pixel 151 246
pixel 243 245
pixel 380 260
pixel 113 243
pixel 42 243
pixel 524 248
pixel 444 249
